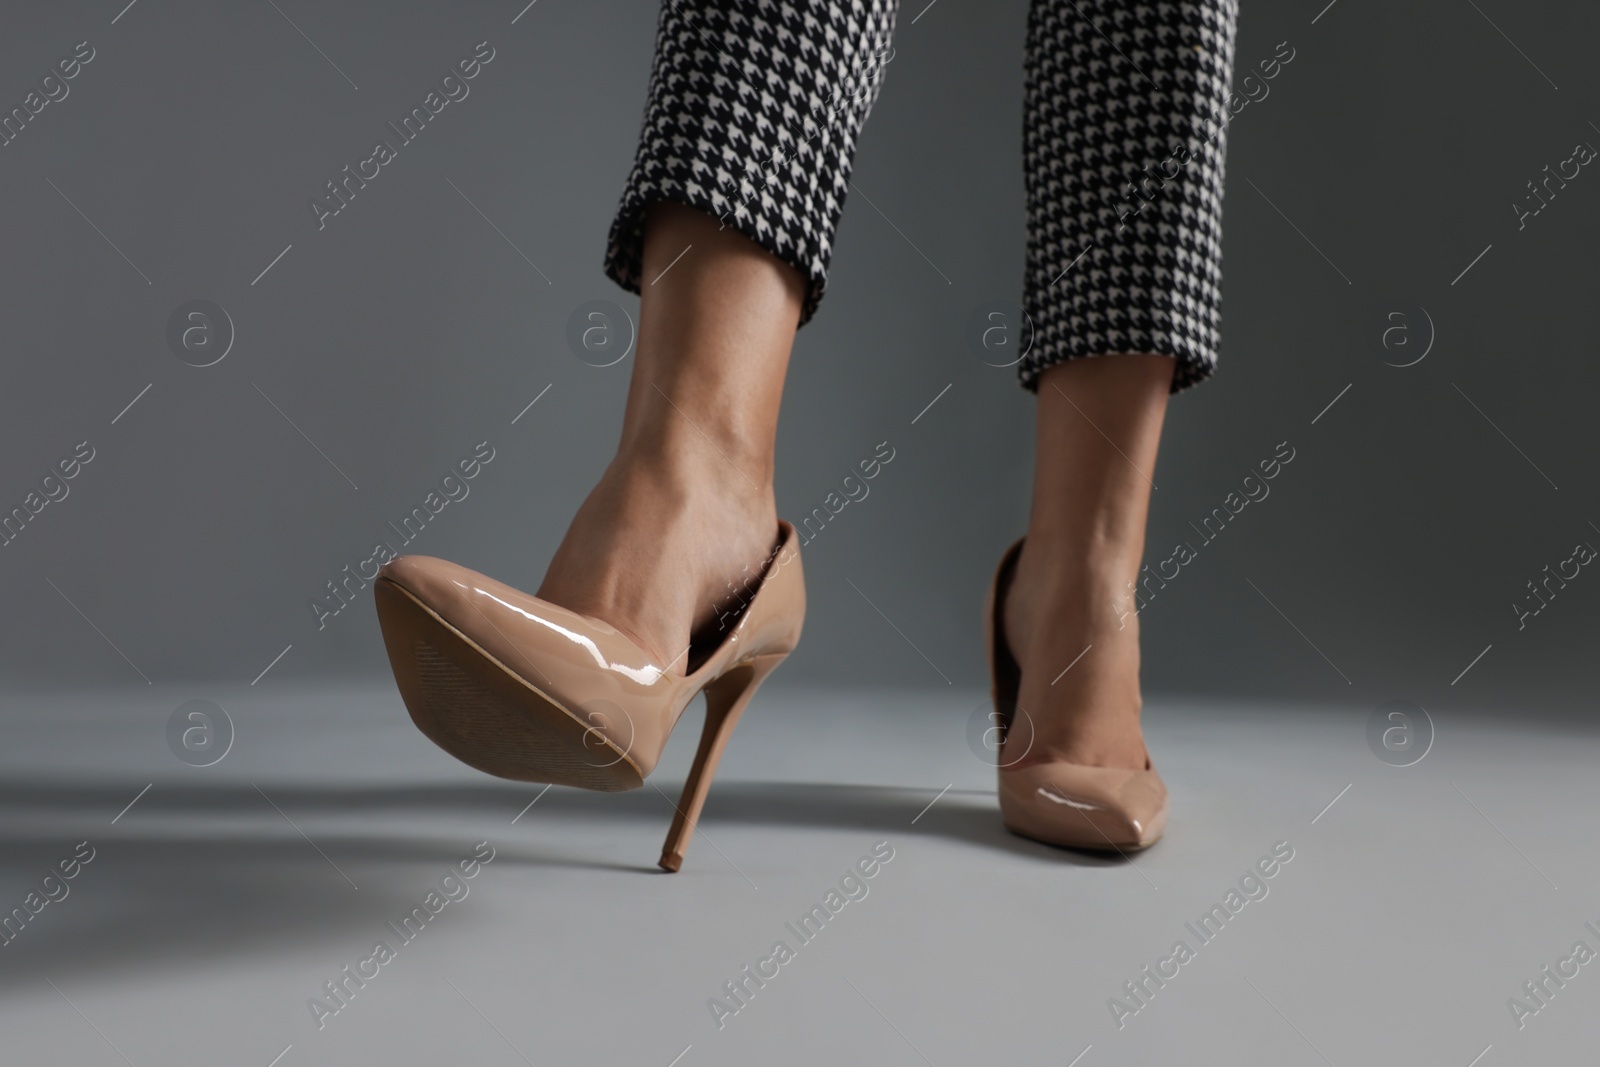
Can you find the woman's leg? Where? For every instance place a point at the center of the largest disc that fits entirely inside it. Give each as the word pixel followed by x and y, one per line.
pixel 725 229
pixel 687 504
pixel 1123 158
pixel 1070 603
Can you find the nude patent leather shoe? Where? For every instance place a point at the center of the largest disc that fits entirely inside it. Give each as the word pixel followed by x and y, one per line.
pixel 1059 803
pixel 522 688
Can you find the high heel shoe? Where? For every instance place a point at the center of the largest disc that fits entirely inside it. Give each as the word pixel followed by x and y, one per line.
pixel 522 688
pixel 1060 803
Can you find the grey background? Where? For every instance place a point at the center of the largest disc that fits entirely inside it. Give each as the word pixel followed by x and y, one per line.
pixel 1396 542
pixel 409 329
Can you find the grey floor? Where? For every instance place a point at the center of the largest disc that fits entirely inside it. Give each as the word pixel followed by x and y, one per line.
pixel 1417 903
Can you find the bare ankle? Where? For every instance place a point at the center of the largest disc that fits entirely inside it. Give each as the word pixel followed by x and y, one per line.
pixel 691 455
pixel 1094 586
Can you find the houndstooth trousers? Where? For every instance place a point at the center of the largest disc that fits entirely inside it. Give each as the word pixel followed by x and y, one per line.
pixel 755 105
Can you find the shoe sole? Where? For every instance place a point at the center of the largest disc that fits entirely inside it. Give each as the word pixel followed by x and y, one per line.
pixel 1083 844
pixel 485 714
pixel 1084 837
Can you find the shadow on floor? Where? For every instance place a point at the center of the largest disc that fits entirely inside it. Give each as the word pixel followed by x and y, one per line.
pixel 968 816
pixel 168 890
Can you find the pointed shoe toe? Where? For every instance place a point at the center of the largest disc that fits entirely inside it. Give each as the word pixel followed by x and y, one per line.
pixel 481 668
pixel 1076 806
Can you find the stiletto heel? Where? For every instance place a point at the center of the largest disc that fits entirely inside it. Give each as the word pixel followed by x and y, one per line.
pixel 1071 804
pixel 725 702
pixel 522 688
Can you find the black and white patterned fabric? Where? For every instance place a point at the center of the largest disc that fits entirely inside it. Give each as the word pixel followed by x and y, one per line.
pixel 752 117
pixel 755 106
pixel 1124 132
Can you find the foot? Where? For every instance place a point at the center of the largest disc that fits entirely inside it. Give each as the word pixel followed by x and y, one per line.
pixel 665 550
pixel 1069 621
